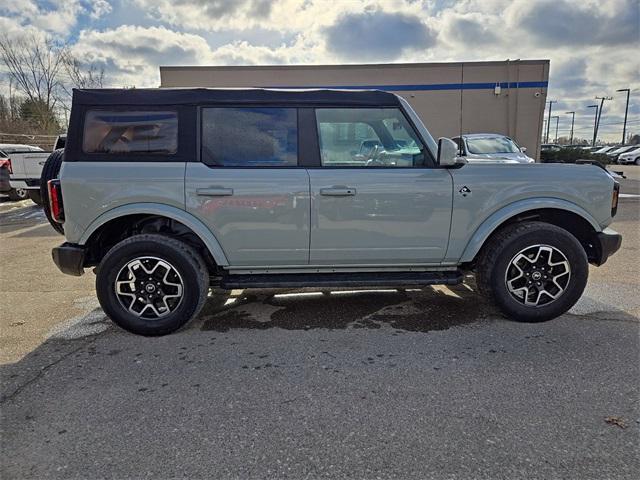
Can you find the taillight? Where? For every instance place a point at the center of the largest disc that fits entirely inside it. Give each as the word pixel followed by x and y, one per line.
pixel 9 166
pixel 614 198
pixel 55 200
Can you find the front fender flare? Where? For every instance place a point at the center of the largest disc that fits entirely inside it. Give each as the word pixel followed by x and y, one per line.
pixel 496 219
pixel 188 220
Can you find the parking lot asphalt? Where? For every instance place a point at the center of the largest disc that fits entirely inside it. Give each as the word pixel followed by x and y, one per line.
pixel 383 383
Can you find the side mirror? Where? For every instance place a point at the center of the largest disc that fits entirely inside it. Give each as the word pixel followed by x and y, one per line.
pixel 523 149
pixel 448 153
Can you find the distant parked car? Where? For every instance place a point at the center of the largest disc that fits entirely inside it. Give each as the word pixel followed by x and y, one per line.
pixel 26 162
pixel 613 154
pixel 550 147
pixel 5 186
pixel 16 153
pixel 632 156
pixel 491 148
pixel 606 149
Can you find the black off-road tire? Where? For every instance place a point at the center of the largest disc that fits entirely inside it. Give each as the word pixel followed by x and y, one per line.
pixel 50 171
pixel 18 194
pixel 496 257
pixel 182 257
pixel 35 196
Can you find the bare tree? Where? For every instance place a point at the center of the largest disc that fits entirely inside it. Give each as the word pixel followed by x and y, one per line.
pixel 34 65
pixel 44 74
pixel 80 74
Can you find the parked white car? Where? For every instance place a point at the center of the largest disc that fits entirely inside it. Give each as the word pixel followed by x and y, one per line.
pixel 491 148
pixel 632 156
pixel 606 149
pixel 25 168
pixel 613 154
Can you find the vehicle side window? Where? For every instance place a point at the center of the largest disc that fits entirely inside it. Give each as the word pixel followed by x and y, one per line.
pixel 121 132
pixel 367 137
pixel 250 137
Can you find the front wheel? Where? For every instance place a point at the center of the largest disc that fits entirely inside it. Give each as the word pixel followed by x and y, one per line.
pixel 533 271
pixel 152 284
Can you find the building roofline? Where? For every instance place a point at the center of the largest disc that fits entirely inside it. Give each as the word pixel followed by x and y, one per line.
pixel 352 66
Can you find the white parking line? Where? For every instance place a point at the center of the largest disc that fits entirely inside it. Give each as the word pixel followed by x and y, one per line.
pixel 629 195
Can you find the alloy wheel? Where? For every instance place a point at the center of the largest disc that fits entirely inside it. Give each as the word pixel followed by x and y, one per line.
pixel 538 275
pixel 149 287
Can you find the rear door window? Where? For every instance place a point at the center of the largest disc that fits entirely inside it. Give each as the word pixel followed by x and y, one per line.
pixel 250 137
pixel 122 132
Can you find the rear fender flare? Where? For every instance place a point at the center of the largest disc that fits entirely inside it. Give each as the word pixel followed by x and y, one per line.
pixel 188 220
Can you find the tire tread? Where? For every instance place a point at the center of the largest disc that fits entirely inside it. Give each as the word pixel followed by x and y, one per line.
pixel 191 255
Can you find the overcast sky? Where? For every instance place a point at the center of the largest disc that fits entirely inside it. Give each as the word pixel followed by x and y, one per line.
pixel 593 45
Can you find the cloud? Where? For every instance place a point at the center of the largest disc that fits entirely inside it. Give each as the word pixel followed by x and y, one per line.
pixel 377 36
pixel 131 55
pixel 560 22
pixel 100 8
pixel 56 16
pixel 472 29
pixel 206 14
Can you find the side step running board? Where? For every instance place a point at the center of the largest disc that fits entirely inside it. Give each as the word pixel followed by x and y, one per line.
pixel 341 279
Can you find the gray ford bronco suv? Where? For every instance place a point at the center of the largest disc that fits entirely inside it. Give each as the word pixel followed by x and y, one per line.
pixel 167 192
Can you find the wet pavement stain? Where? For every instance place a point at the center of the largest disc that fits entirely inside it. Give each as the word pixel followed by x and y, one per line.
pixel 405 311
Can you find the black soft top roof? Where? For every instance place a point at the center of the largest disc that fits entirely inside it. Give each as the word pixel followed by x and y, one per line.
pixel 198 96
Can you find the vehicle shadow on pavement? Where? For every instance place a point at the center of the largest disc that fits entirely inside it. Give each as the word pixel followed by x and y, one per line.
pixel 412 309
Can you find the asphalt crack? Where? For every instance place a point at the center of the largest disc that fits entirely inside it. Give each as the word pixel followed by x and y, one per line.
pixel 20 388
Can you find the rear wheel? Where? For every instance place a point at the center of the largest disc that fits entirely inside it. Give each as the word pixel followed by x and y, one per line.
pixel 50 171
pixel 152 284
pixel 533 271
pixel 16 194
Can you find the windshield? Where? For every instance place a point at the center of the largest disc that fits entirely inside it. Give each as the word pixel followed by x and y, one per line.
pixel 486 145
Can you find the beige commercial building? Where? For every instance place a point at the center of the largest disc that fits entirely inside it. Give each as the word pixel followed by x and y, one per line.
pixel 505 97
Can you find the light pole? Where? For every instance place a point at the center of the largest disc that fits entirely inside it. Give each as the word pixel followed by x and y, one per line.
pixel 626 110
pixel 573 119
pixel 544 130
pixel 557 117
pixel 602 99
pixel 551 102
pixel 595 124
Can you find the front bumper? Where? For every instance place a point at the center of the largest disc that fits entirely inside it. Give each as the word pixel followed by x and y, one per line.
pixel 605 243
pixel 69 258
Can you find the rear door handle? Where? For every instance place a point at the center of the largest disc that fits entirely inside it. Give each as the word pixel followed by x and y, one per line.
pixel 215 192
pixel 338 192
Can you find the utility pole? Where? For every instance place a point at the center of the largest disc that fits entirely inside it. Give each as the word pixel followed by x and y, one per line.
pixel 595 124
pixel 557 117
pixel 626 110
pixel 602 99
pixel 544 130
pixel 551 102
pixel 573 119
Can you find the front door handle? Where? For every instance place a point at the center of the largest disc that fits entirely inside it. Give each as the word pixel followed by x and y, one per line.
pixel 338 191
pixel 215 192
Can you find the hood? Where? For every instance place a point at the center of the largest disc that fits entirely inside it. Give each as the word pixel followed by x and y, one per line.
pixel 516 157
